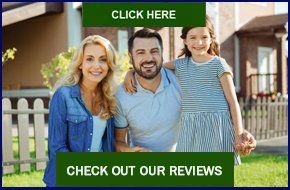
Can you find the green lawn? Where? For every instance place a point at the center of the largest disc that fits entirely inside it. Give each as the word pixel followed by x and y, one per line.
pixel 257 170
pixel 262 170
pixel 32 153
pixel 24 179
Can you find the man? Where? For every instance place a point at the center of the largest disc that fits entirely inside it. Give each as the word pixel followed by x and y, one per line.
pixel 151 115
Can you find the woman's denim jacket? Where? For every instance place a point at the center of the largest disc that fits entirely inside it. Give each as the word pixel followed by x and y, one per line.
pixel 71 128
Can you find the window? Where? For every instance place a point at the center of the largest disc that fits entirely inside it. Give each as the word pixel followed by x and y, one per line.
pixel 265 70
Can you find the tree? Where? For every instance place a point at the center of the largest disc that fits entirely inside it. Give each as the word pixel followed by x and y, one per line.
pixel 56 68
pixel 8 55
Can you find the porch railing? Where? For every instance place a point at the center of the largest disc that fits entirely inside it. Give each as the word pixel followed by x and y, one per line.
pixel 263 84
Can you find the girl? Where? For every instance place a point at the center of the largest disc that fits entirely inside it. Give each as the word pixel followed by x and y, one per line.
pixel 211 119
pixel 81 109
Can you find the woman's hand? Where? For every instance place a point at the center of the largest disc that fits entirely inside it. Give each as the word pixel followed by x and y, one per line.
pixel 129 82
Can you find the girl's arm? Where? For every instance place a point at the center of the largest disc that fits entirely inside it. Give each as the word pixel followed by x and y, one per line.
pixel 229 91
pixel 169 65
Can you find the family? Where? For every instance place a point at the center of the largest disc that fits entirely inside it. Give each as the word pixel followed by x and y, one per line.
pixel 185 105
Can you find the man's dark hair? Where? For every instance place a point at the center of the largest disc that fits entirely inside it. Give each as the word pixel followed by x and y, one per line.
pixel 144 33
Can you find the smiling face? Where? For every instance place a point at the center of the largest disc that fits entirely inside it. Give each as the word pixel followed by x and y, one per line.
pixel 94 65
pixel 146 57
pixel 198 41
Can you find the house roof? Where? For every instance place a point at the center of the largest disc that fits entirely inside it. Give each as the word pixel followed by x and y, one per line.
pixel 265 23
pixel 16 12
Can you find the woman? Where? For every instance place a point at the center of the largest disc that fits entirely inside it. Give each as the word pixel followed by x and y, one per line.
pixel 81 109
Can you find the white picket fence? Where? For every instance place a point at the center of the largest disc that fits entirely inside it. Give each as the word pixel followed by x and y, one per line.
pixel 24 151
pixel 263 118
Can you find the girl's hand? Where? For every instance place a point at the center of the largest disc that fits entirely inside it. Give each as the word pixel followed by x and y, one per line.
pixel 129 82
pixel 245 143
pixel 250 142
pixel 239 145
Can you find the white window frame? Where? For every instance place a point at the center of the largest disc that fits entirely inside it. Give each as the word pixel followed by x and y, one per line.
pixel 213 12
pixel 237 64
pixel 122 42
pixel 270 66
pixel 74 24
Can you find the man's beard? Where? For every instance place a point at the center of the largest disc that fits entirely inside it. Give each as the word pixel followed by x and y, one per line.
pixel 144 74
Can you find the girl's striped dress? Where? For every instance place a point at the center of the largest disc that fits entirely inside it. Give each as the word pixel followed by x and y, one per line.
pixel 206 124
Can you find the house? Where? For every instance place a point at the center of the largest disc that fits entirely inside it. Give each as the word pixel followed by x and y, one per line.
pixel 40 30
pixel 252 38
pixel 263 59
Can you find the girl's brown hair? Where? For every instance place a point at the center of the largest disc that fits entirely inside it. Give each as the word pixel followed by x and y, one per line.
pixel 214 48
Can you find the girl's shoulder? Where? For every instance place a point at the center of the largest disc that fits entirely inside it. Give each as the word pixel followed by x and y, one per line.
pixel 219 61
pixel 179 62
pixel 222 66
pixel 182 59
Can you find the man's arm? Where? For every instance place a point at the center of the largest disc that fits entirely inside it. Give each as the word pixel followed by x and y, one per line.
pixel 120 140
pixel 121 143
pixel 121 127
pixel 169 65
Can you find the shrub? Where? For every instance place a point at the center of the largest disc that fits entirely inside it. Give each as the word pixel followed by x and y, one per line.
pixel 56 68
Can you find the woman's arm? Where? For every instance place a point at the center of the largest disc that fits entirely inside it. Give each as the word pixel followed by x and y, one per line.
pixel 57 126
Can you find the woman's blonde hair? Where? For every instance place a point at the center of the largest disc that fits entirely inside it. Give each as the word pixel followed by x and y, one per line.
pixel 74 75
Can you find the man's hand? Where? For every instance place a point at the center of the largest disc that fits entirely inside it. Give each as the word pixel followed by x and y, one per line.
pixel 123 147
pixel 135 149
pixel 129 82
pixel 141 149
